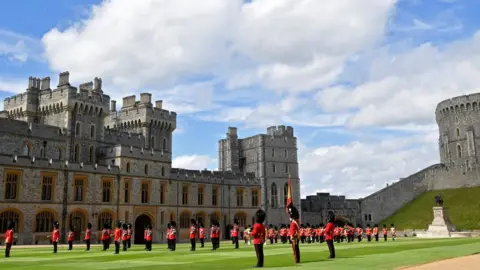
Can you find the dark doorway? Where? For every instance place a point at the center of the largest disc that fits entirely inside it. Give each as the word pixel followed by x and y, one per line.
pixel 139 228
pixel 341 221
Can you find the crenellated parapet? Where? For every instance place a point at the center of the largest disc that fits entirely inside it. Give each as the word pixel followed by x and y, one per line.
pixel 280 131
pixel 214 177
pixel 457 106
pixel 135 152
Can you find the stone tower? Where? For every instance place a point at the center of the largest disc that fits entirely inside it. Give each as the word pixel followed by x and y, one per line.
pixel 272 157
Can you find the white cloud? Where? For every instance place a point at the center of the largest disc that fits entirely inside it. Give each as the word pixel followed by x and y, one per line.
pixel 12 85
pixel 194 162
pixel 17 47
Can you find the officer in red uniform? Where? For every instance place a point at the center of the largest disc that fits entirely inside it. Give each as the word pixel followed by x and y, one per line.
pixel 193 234
pixel 169 243
pixel 71 236
pixel 145 230
pixel 235 231
pixel 368 231
pixel 385 232
pixel 105 237
pixel 173 235
pixel 125 236
pixel 258 234
pixel 202 233
pixel 118 237
pixel 9 236
pixel 149 237
pixel 109 235
pixel 294 232
pixel 375 232
pixel 129 235
pixel 329 229
pixel 88 236
pixel 55 236
pixel 359 233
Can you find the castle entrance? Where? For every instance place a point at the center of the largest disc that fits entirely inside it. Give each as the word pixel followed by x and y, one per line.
pixel 139 228
pixel 341 221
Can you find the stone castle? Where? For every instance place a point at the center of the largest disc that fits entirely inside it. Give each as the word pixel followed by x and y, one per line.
pixel 69 155
pixel 458 122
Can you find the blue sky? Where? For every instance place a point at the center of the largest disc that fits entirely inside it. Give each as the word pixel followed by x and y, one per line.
pixel 359 82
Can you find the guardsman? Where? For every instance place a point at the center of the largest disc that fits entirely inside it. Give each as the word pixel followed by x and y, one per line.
pixel 125 236
pixel 145 230
pixel 275 234
pixel 218 233
pixel 71 236
pixel 55 236
pixel 9 236
pixel 202 233
pixel 88 236
pixel 235 231
pixel 385 232
pixel 283 234
pixel 104 237
pixel 359 232
pixel 302 233
pixel 246 234
pixel 258 235
pixel 173 235
pixel 109 235
pixel 212 236
pixel 118 237
pixel 129 235
pixel 169 241
pixel 270 233
pixel 193 234
pixel 322 233
pixel 294 231
pixel 393 233
pixel 149 237
pixel 329 234
pixel 336 236
pixel 351 232
pixel 375 232
pixel 314 233
pixel 368 231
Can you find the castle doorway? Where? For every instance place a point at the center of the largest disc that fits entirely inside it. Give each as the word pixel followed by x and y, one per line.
pixel 139 228
pixel 78 221
pixel 341 221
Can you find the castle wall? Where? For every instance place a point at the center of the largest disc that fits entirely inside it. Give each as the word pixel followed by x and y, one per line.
pixel 443 177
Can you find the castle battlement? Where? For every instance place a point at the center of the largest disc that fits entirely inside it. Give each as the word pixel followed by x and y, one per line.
pixel 280 131
pixel 457 105
pixel 219 177
pixel 22 128
pixel 135 152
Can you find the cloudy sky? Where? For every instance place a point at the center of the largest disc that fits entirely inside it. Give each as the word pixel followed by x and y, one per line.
pixel 358 80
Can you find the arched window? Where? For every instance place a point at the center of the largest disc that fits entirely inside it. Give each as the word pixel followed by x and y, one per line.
pixel 44 221
pixel 163 171
pixel 77 152
pixel 274 168
pixel 91 155
pixel 285 194
pixel 42 152
pixel 285 153
pixel 274 202
pixel 185 220
pixel 152 142
pixel 172 217
pixel 128 167
pixel 214 218
pixel 242 219
pixel 6 217
pixel 104 218
pixel 146 169
pixel 27 149
pixel 164 144
pixel 59 154
pixel 92 131
pixel 458 132
pixel 459 151
pixel 77 129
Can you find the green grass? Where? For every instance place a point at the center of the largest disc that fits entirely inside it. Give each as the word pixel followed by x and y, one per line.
pixel 463 207
pixel 373 255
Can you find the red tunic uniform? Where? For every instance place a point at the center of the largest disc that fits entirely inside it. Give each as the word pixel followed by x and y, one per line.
pixel 369 231
pixel 124 235
pixel 55 235
pixel 385 231
pixel 193 232
pixel 9 237
pixel 71 236
pixel 118 235
pixel 129 234
pixel 258 234
pixel 235 231
pixel 329 231
pixel 202 233
pixel 172 234
pixel 88 234
pixel 375 231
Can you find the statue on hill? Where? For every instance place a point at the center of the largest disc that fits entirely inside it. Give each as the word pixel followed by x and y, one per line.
pixel 439 200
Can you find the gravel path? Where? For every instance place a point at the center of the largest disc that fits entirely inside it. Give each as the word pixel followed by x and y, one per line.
pixel 462 263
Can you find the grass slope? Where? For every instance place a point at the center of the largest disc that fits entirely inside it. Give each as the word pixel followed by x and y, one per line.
pixel 463 206
pixel 373 255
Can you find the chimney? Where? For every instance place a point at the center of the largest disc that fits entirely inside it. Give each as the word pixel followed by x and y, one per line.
pixel 30 82
pixel 145 98
pixel 45 83
pixel 64 78
pixel 97 84
pixel 113 105
pixel 158 104
pixel 128 101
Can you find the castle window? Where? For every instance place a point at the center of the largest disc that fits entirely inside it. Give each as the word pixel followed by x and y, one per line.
pixel 242 219
pixel 286 168
pixel 459 151
pixel 215 196
pixel 162 193
pixel 128 167
pixel 152 142
pixel 79 189
pixel 104 218
pixel 106 190
pixel 146 169
pixel 458 132
pixel 76 153
pixel 184 220
pixel 273 152
pixel 11 185
pixel 6 217
pixel 163 171
pixel 27 149
pixel 164 144
pixel 59 154
pixel 285 154
pixel 254 198
pixel 274 168
pixel 185 195
pixel 92 131
pixel 274 202
pixel 369 217
pixel 91 155
pixel 78 129
pixel 145 192
pixel 44 221
pixel 239 197
pixel 126 190
pixel 47 187
pixel 42 153
pixel 200 196
pixel 456 120
pixel 285 194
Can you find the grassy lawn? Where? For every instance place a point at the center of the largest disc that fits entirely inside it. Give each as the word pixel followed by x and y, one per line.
pixel 381 255
pixel 463 206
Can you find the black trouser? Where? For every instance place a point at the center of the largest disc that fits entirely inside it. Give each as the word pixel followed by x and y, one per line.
pixel 124 242
pixel 235 241
pixel 129 242
pixel 8 247
pixel 146 244
pixel 149 245
pixel 322 239
pixel 309 239
pixel 369 237
pixel 338 239
pixel 55 244
pixel 271 240
pixel 376 237
pixel 117 247
pixel 105 244
pixel 88 244
pixel 359 238
pixel 108 243
pixel 385 237
pixel 214 243
pixel 331 248
pixel 259 251
pixel 303 239
pixel 70 245
pixel 193 244
pixel 171 244
pixel 296 251
pixel 276 239
pixel 202 242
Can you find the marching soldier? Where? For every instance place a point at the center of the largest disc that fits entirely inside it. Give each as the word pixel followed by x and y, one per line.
pixel 193 234
pixel 375 232
pixel 55 236
pixel 202 233
pixel 109 235
pixel 129 235
pixel 125 237
pixel 368 230
pixel 88 236
pixel 385 232
pixel 118 237
pixel 329 233
pixel 275 234
pixel 145 230
pixel 393 233
pixel 169 241
pixel 235 231
pixel 173 235
pixel 270 234
pixel 149 237
pixel 322 233
pixel 258 235
pixel 294 232
pixel 105 237
pixel 9 236
pixel 246 234
pixel 359 232
pixel 71 236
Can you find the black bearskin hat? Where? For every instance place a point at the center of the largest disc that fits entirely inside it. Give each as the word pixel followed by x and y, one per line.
pixel 217 223
pixel 56 225
pixel 193 221
pixel 321 225
pixel 129 225
pixel 358 226
pixel 368 225
pixel 72 228
pixel 11 225
pixel 173 224
pixel 150 226
pixel 384 226
pixel 330 216
pixel 235 221
pixel 392 225
pixel 270 226
pixel 293 212
pixel 260 216
pixel 119 224
pixel 169 225
pixel 201 225
pixel 125 226
pixel 308 224
pixel 302 225
pixel 276 228
pixel 376 225
pixel 105 226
